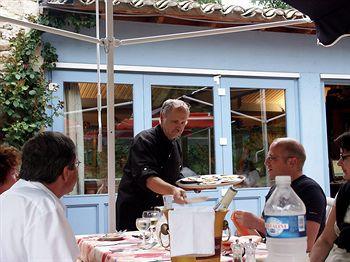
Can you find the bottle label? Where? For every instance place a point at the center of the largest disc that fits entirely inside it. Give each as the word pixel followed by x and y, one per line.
pixel 285 226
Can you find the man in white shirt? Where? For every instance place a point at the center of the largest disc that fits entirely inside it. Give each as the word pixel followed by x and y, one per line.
pixel 33 225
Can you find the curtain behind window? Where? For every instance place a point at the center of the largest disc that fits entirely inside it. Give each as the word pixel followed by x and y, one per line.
pixel 74 129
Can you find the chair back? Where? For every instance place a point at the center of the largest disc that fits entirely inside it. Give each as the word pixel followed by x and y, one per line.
pixel 330 204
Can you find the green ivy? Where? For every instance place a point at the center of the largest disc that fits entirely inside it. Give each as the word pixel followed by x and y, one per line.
pixel 26 103
pixel 24 96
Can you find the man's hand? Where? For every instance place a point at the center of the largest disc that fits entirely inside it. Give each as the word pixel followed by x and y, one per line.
pixel 179 195
pixel 250 220
pixel 159 186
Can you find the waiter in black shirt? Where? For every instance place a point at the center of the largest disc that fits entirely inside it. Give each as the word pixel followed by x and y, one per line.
pixel 153 166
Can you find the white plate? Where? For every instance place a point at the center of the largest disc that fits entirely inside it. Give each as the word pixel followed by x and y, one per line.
pixel 111 237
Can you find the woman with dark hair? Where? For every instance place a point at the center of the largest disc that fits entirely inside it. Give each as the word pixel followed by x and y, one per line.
pixel 335 239
pixel 10 159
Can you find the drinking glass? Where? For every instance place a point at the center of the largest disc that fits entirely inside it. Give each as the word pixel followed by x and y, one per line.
pixel 168 201
pixel 153 216
pixel 143 224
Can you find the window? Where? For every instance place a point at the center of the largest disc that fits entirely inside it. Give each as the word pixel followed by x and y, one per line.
pixel 258 116
pixel 198 136
pixel 338 122
pixel 82 125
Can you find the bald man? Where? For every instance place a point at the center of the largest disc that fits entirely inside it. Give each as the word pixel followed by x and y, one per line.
pixel 286 157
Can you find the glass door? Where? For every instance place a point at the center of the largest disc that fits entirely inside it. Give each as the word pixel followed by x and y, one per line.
pixel 199 135
pixel 259 112
pixel 87 125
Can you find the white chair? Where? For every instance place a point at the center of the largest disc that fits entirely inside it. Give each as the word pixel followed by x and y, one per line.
pixel 330 203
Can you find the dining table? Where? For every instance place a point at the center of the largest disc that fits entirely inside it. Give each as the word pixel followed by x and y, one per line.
pixel 128 247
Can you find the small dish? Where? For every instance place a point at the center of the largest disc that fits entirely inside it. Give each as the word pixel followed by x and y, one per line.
pixel 111 237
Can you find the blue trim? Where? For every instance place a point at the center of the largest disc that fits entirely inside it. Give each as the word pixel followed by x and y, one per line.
pixel 312 119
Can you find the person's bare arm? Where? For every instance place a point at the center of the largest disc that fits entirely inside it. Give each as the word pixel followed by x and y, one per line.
pixel 324 243
pixel 312 228
pixel 250 221
pixel 159 186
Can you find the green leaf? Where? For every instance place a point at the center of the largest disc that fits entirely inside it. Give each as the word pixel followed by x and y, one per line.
pixel 32 92
pixel 15 103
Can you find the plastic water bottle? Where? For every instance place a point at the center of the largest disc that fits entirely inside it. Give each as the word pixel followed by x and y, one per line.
pixel 285 224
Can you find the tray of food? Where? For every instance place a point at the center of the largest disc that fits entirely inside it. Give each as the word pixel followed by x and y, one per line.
pixel 209 181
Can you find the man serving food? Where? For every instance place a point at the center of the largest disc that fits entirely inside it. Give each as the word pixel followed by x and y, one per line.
pixel 153 166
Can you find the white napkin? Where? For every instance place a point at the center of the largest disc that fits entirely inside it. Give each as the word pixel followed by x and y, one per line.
pixel 192 231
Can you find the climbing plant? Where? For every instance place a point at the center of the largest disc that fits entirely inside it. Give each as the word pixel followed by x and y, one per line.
pixel 26 101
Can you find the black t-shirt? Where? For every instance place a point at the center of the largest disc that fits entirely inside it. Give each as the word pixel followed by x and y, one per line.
pixel 313 198
pixel 151 154
pixel 342 204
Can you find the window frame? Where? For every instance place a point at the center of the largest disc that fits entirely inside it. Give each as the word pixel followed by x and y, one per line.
pixel 291 100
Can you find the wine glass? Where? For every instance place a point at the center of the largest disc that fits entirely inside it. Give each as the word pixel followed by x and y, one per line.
pixel 153 216
pixel 143 224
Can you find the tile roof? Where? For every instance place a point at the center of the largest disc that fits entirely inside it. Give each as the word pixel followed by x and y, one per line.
pixel 186 12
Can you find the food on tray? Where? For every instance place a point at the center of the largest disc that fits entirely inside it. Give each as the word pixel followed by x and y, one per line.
pixel 210 180
pixel 191 180
pixel 231 178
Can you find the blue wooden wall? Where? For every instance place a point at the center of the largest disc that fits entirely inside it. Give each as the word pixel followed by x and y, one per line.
pixel 88 214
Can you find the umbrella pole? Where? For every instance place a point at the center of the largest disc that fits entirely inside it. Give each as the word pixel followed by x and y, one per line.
pixel 109 49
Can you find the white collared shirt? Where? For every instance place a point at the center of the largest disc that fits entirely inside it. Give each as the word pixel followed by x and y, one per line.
pixel 33 225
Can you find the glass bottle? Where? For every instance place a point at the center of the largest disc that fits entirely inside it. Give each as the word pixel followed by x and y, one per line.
pixel 250 251
pixel 237 251
pixel 226 199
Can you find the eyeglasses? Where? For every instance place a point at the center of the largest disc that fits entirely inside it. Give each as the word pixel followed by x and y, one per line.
pixel 343 157
pixel 75 164
pixel 272 158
